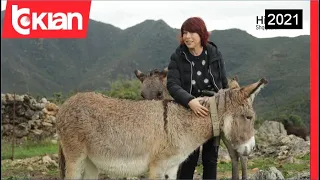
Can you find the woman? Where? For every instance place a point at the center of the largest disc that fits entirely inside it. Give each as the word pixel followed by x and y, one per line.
pixel 196 65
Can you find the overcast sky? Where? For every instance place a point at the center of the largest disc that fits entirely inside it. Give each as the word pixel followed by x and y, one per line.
pixel 218 15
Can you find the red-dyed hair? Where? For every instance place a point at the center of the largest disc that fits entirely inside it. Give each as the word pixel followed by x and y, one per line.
pixel 197 25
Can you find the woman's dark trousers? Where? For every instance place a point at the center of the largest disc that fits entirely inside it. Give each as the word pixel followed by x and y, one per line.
pixel 210 151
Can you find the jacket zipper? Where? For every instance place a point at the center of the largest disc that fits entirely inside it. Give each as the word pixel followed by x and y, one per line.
pixel 213 78
pixel 191 71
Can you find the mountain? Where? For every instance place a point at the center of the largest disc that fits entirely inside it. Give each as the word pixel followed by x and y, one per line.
pixel 45 66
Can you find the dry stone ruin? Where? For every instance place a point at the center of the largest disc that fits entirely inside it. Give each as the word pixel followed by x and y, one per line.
pixel 33 119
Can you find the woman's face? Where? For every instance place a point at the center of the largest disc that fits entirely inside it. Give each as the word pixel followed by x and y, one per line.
pixel 191 40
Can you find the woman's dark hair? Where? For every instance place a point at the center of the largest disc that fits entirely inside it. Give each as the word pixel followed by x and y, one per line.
pixel 195 25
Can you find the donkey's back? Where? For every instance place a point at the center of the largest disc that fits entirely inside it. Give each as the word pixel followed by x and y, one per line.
pixel 114 135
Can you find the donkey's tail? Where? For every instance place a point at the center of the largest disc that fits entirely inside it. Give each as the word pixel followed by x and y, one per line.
pixel 62 163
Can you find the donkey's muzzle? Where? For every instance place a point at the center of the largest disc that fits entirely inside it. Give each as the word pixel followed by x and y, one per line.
pixel 247 148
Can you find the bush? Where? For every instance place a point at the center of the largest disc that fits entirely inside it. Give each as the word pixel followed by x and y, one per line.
pixel 125 89
pixel 292 118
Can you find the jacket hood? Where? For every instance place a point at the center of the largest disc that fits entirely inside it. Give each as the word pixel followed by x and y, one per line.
pixel 211 48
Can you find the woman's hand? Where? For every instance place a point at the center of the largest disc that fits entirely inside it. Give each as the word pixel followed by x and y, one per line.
pixel 197 108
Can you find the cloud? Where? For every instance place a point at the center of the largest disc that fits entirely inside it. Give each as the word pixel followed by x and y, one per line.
pixel 218 15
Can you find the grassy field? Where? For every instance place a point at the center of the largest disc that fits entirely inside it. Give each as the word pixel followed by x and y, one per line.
pixel 31 149
pixel 27 149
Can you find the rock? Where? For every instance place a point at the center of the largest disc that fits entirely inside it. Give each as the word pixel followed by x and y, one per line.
pixel 47 124
pixel 5 120
pixel 7 129
pixel 52 113
pixel 43 100
pixel 19 133
pixel 288 160
pixel 37 131
pixel 255 170
pixel 301 176
pixel 52 119
pixel 271 173
pixel 11 97
pixel 223 156
pixel 36 116
pixel 39 106
pixel 23 126
pixel 45 111
pixel 298 146
pixel 19 98
pixel 32 124
pixel 51 107
pixel 55 156
pixel 284 148
pixel 41 115
pixel 272 128
pixel 20 111
pixel 3 99
pixel 272 141
pixel 29 113
pixel 46 159
pixel 38 122
pixel 55 136
pixel 19 120
pixel 30 168
pixel 8 97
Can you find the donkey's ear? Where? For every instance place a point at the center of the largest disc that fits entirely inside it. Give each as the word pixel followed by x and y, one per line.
pixel 139 75
pixel 235 78
pixel 253 89
pixel 164 73
pixel 165 70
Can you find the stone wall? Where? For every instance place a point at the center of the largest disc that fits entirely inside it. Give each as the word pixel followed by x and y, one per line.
pixel 33 119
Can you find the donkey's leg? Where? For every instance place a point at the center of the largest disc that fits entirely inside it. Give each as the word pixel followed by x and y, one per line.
pixel 244 161
pixel 74 166
pixel 234 158
pixel 75 157
pixel 235 162
pixel 155 171
pixel 90 171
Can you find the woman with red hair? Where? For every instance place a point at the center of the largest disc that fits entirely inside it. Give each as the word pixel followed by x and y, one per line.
pixel 196 66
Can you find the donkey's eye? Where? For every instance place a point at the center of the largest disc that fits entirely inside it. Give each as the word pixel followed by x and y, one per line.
pixel 142 95
pixel 249 117
pixel 159 94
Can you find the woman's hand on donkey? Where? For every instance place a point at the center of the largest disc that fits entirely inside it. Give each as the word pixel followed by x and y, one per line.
pixel 197 108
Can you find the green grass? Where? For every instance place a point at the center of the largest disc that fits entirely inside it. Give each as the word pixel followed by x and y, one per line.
pixel 288 170
pixel 15 178
pixel 28 149
pixel 305 157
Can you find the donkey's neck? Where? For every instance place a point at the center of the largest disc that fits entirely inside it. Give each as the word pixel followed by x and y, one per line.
pixel 185 127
